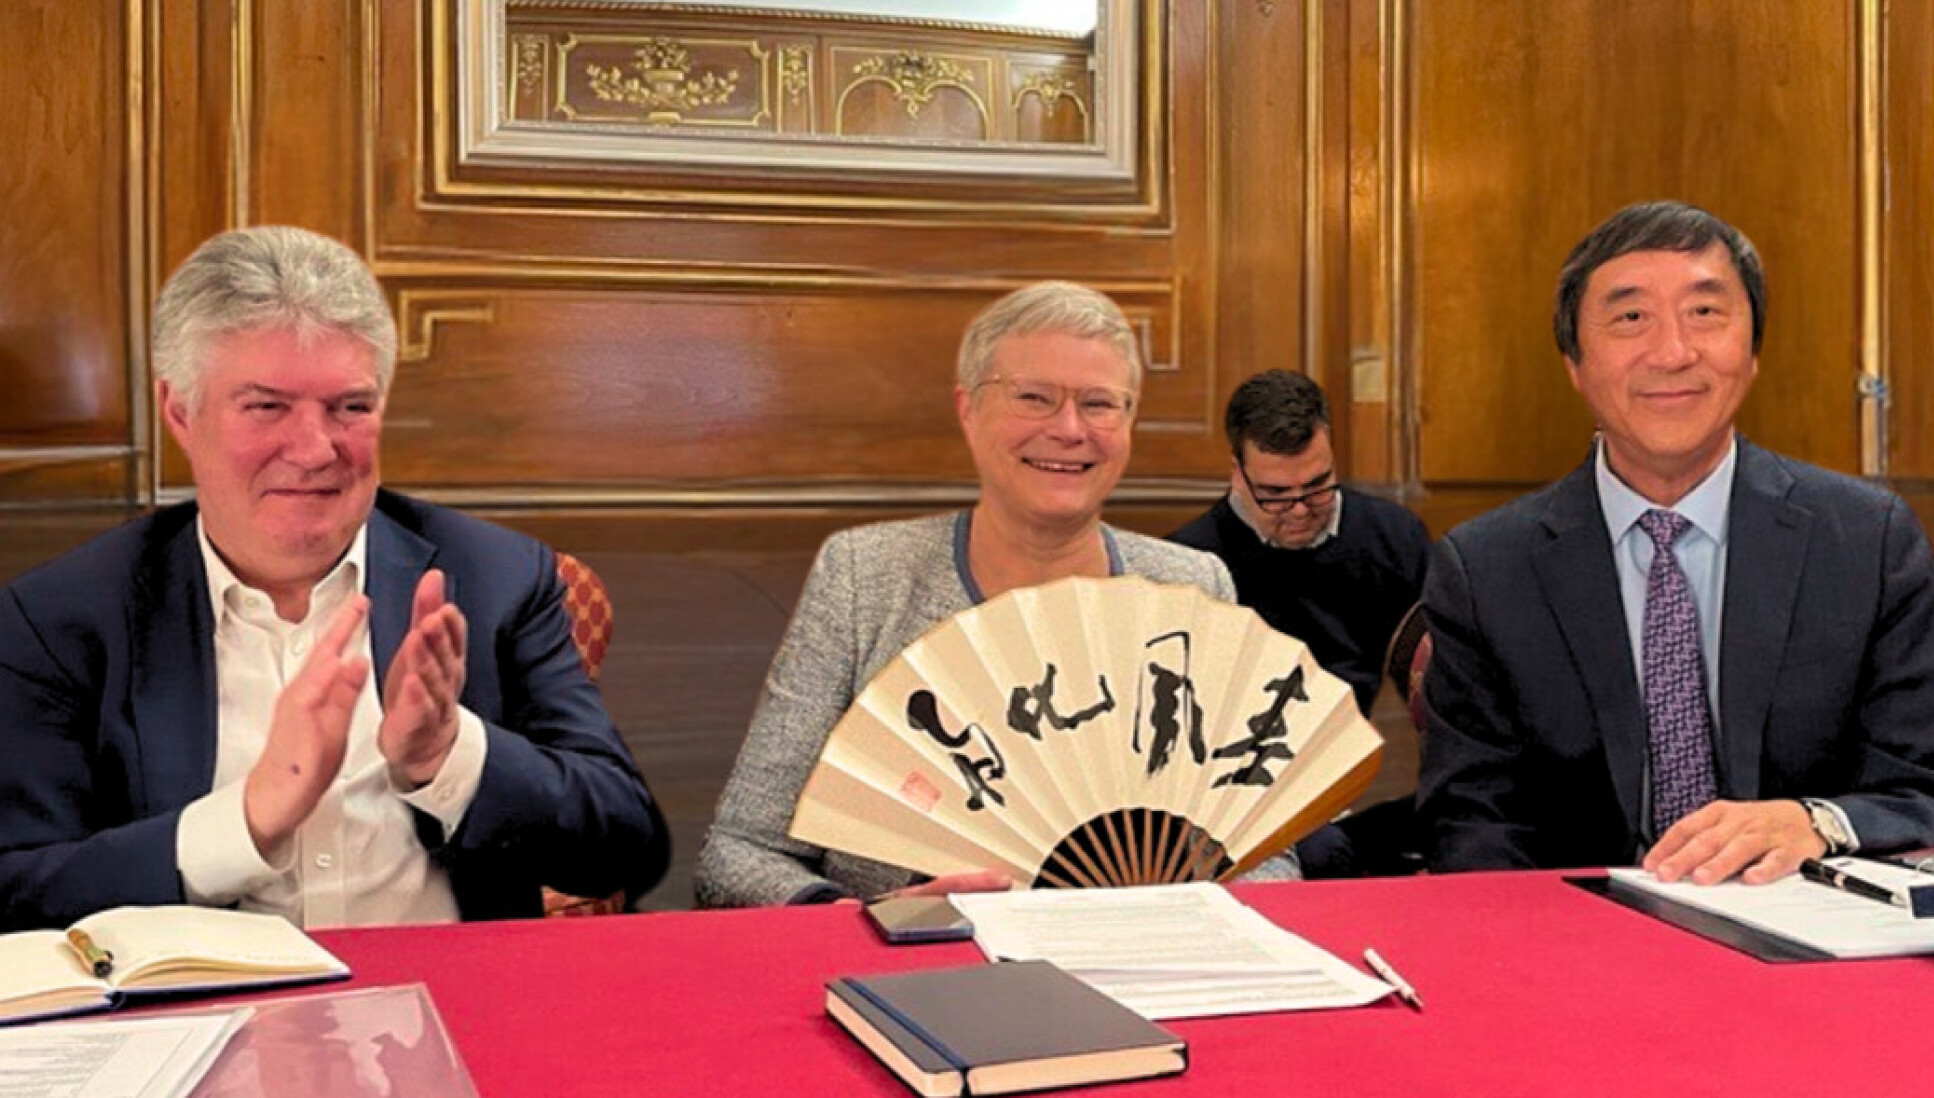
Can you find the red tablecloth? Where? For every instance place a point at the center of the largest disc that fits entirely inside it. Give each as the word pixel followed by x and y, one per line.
pixel 1533 987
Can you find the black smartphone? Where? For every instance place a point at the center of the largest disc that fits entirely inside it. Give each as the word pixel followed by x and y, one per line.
pixel 918 919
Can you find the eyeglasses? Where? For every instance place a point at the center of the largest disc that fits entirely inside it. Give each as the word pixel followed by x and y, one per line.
pixel 1102 406
pixel 1282 505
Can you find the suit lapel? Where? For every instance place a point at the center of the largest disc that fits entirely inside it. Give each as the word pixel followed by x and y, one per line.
pixel 1765 551
pixel 1580 581
pixel 173 683
pixel 397 560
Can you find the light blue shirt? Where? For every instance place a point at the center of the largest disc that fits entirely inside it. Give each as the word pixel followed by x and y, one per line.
pixel 1701 551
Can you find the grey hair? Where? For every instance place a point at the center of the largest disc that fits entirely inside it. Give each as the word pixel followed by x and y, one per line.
pixel 267 276
pixel 1061 308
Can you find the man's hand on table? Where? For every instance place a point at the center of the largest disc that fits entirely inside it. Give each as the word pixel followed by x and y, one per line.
pixel 1765 839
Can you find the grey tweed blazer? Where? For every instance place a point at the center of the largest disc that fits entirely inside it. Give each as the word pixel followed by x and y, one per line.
pixel 872 591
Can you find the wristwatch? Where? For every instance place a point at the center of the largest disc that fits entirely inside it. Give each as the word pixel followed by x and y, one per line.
pixel 1827 825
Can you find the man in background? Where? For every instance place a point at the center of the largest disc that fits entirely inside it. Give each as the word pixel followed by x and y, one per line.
pixel 300 693
pixel 1335 569
pixel 1690 652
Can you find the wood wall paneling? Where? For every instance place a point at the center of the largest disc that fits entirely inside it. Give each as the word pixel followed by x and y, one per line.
pixel 1537 118
pixel 62 477
pixel 1191 151
pixel 199 179
pixel 305 116
pixel 760 331
pixel 63 251
pixel 1262 146
pixel 534 389
pixel 1328 341
pixel 1907 229
pixel 588 329
pixel 193 98
pixel 1370 403
pixel 1258 232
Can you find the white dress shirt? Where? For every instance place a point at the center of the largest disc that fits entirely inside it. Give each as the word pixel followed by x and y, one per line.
pixel 356 860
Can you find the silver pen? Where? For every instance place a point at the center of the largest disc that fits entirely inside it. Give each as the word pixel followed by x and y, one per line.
pixel 1382 968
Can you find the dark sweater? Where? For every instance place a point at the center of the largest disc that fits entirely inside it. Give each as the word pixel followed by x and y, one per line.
pixel 1343 598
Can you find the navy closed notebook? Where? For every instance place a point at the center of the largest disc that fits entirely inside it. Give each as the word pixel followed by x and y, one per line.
pixel 1000 1028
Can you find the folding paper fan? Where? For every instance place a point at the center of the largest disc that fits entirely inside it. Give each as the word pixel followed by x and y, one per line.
pixel 1091 732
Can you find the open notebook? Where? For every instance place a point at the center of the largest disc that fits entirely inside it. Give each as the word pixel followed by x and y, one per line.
pixel 154 950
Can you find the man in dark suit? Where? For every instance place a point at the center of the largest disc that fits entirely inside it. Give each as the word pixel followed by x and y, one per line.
pixel 1691 651
pixel 301 694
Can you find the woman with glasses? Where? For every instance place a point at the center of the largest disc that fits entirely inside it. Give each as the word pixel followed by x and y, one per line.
pixel 1046 389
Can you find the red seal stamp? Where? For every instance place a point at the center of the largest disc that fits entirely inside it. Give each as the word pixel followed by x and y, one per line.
pixel 919 791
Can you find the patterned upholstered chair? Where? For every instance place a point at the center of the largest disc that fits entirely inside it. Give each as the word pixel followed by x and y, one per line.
pixel 589 606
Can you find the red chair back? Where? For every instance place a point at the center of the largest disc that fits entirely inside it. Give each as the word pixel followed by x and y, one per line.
pixel 589 606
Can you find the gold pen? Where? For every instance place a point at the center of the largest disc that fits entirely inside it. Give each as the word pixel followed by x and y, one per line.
pixel 93 956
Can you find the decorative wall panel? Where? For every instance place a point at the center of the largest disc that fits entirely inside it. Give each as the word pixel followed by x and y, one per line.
pixel 1535 119
pixel 1905 237
pixel 666 91
pixel 66 419
pixel 1322 186
pixel 616 331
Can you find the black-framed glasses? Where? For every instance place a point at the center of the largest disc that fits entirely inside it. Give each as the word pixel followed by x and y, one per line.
pixel 1276 504
pixel 1102 406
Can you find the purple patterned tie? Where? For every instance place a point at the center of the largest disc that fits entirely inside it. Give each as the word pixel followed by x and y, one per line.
pixel 1676 711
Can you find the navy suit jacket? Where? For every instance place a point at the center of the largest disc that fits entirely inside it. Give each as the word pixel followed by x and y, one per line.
pixel 1536 744
pixel 108 720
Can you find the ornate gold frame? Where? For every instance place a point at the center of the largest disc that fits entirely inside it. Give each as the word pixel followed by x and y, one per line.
pixel 485 135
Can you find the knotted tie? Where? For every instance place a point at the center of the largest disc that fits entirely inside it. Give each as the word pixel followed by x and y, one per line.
pixel 1676 713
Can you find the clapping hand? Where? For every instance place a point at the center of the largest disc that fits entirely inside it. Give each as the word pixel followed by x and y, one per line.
pixel 421 689
pixel 309 736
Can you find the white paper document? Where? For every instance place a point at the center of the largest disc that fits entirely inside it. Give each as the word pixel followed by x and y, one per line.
pixel 1808 913
pixel 1167 951
pixel 160 1057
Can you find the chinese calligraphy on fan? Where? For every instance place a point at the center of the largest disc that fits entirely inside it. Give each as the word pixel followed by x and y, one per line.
pixel 1167 714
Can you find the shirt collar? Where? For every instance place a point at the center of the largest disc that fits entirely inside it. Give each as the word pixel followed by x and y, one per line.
pixel 226 589
pixel 1708 506
pixel 1256 524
